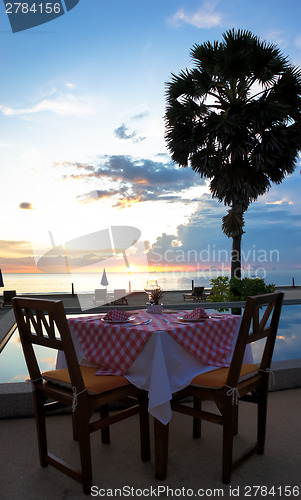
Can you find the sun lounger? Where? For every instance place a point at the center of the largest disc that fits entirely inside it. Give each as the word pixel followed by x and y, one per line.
pixel 197 294
pixel 7 296
pixel 100 296
pixel 120 297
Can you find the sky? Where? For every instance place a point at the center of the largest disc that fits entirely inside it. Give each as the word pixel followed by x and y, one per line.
pixel 82 145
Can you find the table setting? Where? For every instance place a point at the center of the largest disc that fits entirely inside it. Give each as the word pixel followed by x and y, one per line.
pixel 160 353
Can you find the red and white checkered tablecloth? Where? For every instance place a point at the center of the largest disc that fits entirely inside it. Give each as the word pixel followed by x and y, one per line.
pixel 114 347
pixel 209 340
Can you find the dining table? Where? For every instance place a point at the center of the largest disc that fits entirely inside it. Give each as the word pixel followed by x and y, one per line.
pixel 159 353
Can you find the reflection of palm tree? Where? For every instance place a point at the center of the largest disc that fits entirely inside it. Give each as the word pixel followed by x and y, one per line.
pixel 236 119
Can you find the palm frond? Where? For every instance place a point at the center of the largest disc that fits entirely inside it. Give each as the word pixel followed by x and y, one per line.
pixel 233 223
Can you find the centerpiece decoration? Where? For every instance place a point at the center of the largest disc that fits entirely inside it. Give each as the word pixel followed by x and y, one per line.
pixel 156 295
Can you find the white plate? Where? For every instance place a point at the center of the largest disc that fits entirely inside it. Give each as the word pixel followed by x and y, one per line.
pixel 180 318
pixel 115 321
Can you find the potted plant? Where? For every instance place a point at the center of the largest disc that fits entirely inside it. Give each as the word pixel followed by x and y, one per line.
pixel 156 295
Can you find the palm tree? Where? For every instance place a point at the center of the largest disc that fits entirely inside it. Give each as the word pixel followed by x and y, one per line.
pixel 235 118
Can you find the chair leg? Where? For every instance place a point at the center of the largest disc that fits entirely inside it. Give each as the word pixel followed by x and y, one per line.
pixel 85 449
pixel 38 402
pixel 235 421
pixel 262 417
pixel 74 427
pixel 235 417
pixel 228 429
pixel 105 432
pixel 144 428
pixel 197 422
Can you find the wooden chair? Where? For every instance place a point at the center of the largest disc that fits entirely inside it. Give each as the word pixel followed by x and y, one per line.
pixel 120 297
pixel 44 323
pixel 196 294
pixel 248 382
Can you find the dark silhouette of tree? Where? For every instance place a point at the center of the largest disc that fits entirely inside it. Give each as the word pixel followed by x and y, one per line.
pixel 235 118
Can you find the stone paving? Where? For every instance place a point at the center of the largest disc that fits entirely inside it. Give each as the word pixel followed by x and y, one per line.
pixel 194 466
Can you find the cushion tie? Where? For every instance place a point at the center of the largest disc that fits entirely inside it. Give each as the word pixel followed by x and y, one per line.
pixel 269 371
pixel 233 391
pixel 30 381
pixel 75 395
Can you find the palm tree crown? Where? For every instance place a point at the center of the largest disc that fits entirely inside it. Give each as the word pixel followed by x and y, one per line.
pixel 235 118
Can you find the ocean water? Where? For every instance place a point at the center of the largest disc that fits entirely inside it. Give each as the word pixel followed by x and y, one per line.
pixel 87 282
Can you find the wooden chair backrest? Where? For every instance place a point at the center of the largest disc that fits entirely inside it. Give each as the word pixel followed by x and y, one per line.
pixel 43 322
pixel 253 329
pixel 198 290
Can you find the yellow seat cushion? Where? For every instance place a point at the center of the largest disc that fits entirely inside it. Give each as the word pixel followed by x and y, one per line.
pixel 94 384
pixel 216 379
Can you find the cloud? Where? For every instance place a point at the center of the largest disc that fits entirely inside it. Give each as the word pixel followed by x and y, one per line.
pixel 69 85
pixel 298 42
pixel 278 37
pixel 25 205
pixel 205 17
pixel 15 247
pixel 122 133
pixel 139 116
pixel 63 105
pixel 16 256
pixel 96 195
pixel 272 239
pixel 128 180
pixel 280 202
pixel 197 243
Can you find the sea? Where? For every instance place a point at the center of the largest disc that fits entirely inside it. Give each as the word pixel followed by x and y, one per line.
pixel 42 283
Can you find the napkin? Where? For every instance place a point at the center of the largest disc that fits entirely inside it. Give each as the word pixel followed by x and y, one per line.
pixel 197 313
pixel 117 315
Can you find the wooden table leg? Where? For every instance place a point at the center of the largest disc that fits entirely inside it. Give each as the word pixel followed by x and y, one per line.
pixel 161 449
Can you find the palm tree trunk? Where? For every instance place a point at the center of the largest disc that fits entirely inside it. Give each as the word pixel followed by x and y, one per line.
pixel 236 257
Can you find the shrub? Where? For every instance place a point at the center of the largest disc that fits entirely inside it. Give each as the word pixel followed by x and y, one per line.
pixel 220 289
pixel 241 289
pixel 224 289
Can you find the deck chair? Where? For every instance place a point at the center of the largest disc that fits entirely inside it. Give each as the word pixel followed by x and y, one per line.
pixel 44 323
pixel 196 294
pixel 100 296
pixel 248 382
pixel 7 297
pixel 120 297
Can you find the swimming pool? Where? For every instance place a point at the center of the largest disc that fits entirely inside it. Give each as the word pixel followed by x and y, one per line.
pixel 288 346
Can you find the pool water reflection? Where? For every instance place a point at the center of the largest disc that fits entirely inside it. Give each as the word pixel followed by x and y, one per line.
pixel 288 346
pixel 12 362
